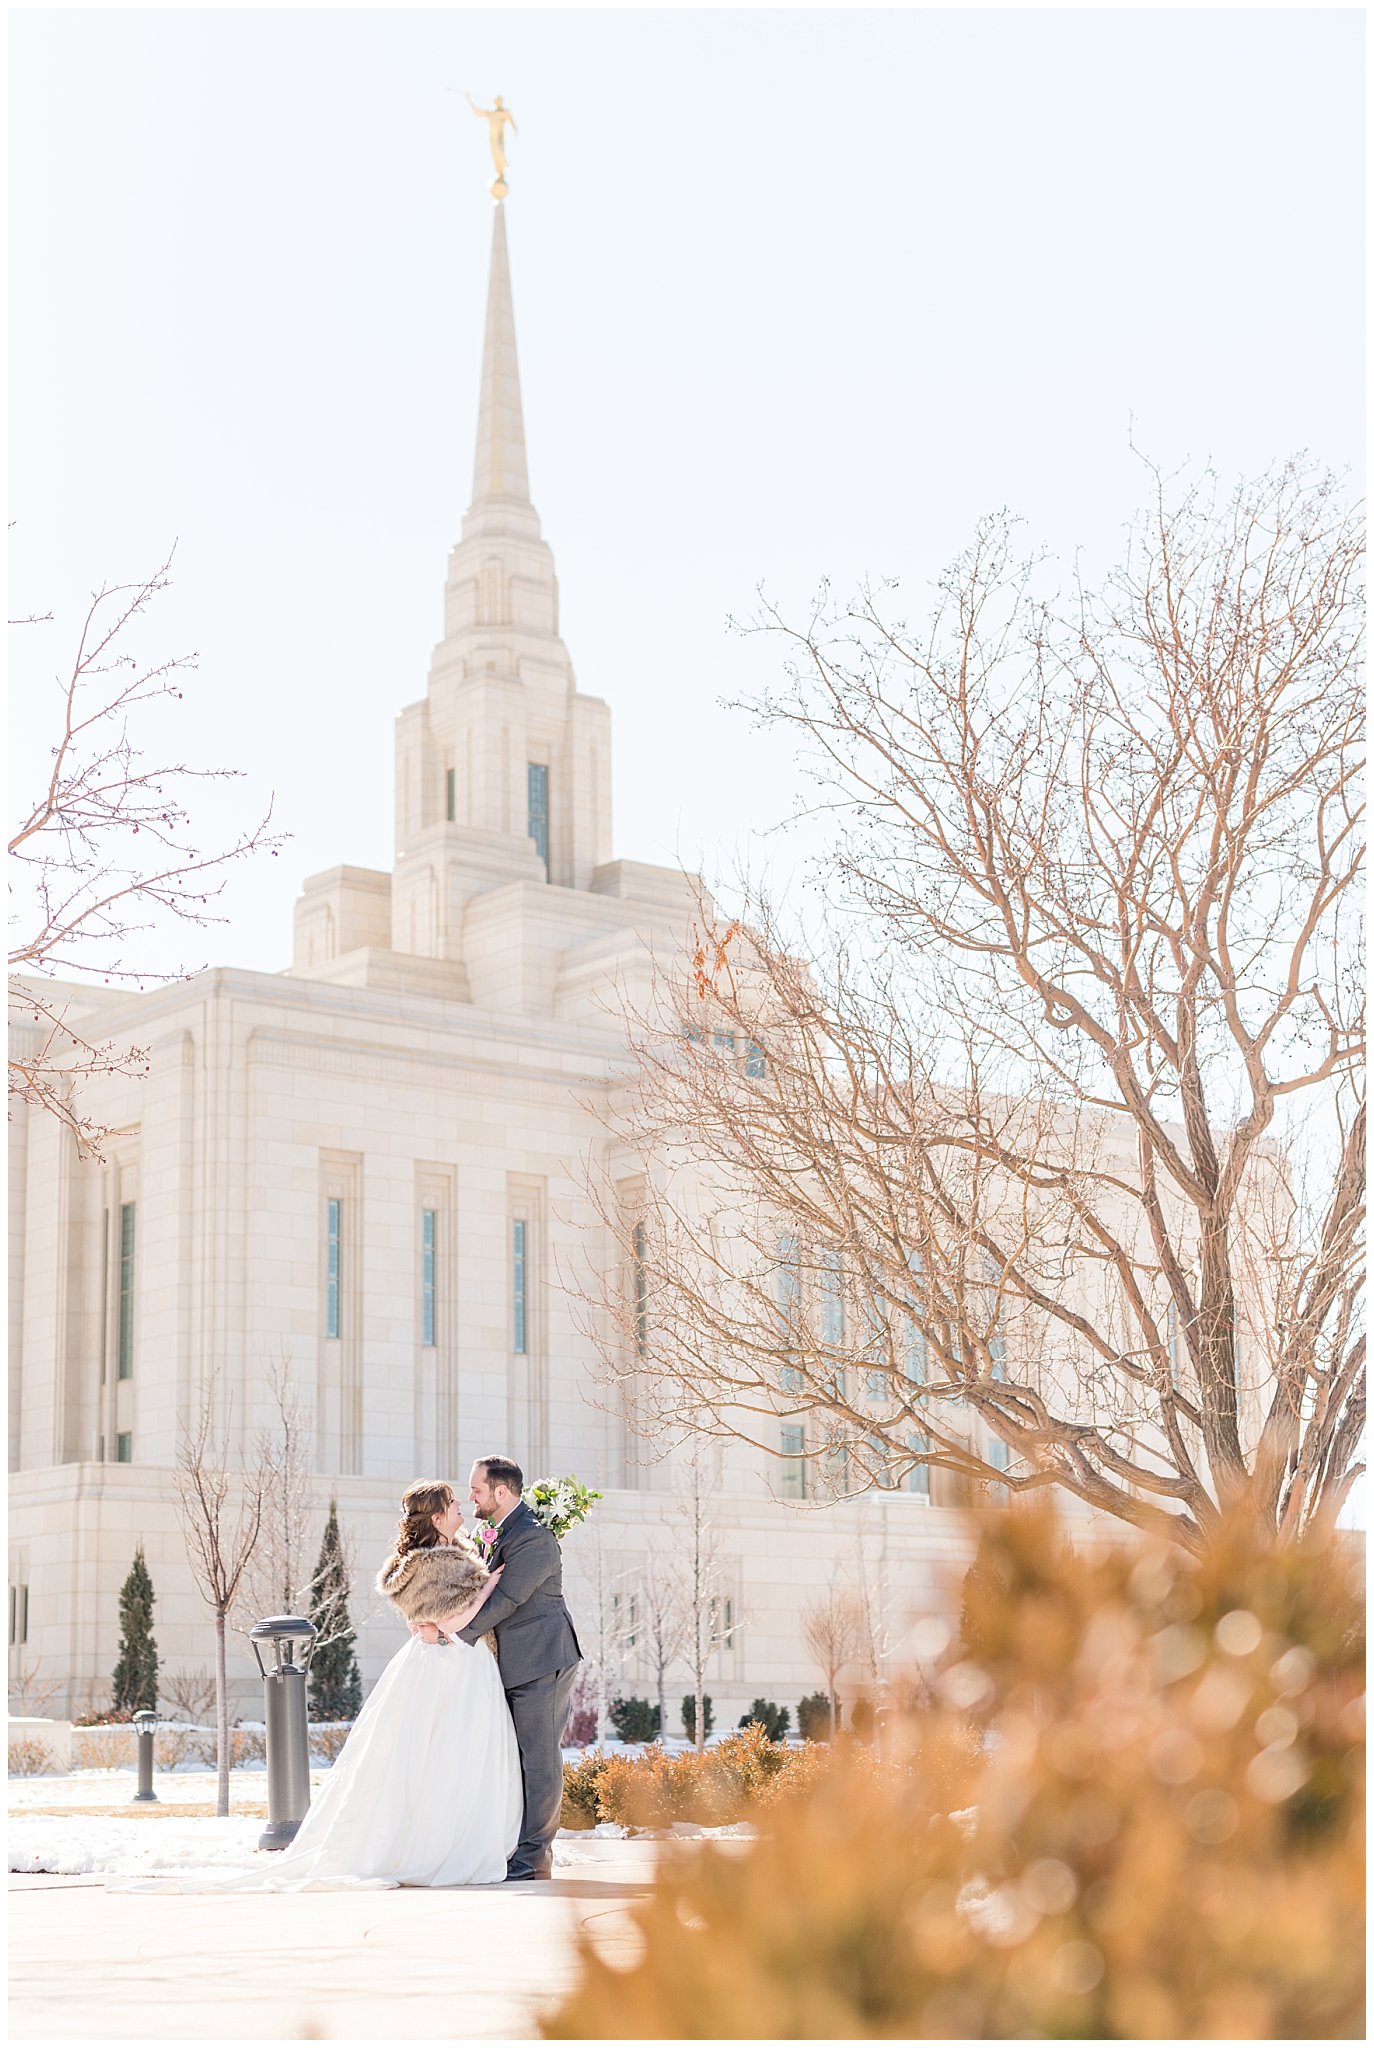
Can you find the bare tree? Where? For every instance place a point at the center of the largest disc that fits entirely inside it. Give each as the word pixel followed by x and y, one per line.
pixel 1067 1108
pixel 222 1507
pixel 832 1627
pixel 102 856
pixel 29 1692
pixel 604 1620
pixel 662 1626
pixel 191 1692
pixel 872 1609
pixel 701 1589
pixel 277 1578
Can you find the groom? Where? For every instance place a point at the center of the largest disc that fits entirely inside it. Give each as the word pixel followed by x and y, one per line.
pixel 536 1650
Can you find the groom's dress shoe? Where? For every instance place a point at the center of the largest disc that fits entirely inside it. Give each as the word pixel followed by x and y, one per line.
pixel 524 1876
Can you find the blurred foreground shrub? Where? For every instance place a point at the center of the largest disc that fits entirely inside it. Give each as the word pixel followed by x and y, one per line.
pixel 1161 1838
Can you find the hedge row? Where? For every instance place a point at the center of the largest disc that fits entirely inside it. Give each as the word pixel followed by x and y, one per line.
pixel 732 1782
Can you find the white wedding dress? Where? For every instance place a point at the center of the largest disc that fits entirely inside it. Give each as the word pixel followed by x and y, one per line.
pixel 425 1791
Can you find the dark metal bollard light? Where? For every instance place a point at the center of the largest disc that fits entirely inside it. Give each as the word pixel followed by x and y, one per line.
pixel 145 1720
pixel 288 1729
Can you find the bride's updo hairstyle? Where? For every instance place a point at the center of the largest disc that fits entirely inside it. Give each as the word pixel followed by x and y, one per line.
pixel 420 1503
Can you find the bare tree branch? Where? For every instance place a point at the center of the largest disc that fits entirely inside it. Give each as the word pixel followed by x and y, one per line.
pixel 1030 1178
pixel 104 855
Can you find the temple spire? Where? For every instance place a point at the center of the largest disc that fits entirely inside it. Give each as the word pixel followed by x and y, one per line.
pixel 500 471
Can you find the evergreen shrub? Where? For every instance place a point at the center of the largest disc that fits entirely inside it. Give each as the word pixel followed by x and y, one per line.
pixel 813 1717
pixel 689 1714
pixel 773 1719
pixel 135 1674
pixel 634 1720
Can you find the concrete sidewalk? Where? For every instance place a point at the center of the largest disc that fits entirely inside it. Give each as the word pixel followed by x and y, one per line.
pixel 414 1965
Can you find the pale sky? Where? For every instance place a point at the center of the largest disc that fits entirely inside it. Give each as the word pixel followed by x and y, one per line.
pixel 799 294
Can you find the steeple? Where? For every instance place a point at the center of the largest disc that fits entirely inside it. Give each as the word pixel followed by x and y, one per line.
pixel 499 470
pixel 503 892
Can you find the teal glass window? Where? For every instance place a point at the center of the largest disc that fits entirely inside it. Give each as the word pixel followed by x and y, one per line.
pixel 104 1295
pixel 451 795
pixel 794 1462
pixel 333 1265
pixel 753 1061
pixel 428 1230
pixel 124 1447
pixel 126 1290
pixel 520 1284
pixel 539 809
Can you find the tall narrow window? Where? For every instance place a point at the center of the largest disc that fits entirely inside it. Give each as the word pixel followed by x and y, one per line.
pixel 878 1461
pixel 998 1453
pixel 918 1478
pixel 451 795
pixel 789 1296
pixel 832 1319
pixel 126 1290
pixel 332 1266
pixel 520 1284
pixel 625 1618
pixel 104 1295
pixel 124 1448
pixel 641 1291
pixel 753 1061
pixel 428 1226
pixel 539 809
pixel 915 1351
pixel 793 1462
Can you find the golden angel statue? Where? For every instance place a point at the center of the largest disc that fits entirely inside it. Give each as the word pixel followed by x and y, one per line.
pixel 498 119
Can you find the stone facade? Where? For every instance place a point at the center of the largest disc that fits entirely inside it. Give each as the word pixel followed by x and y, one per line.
pixel 372 1168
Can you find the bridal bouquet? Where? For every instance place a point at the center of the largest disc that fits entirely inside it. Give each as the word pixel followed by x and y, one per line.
pixel 561 1504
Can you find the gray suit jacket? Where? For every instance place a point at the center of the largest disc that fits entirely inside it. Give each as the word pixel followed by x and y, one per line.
pixel 526 1614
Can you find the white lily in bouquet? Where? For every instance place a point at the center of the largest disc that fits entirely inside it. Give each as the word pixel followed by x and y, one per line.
pixel 561 1504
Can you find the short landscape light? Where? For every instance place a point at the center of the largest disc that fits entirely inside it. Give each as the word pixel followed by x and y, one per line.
pixel 145 1721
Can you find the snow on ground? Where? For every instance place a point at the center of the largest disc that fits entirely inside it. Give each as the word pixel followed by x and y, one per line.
pixel 156 1840
pixel 100 1845
pixel 115 1788
pixel 90 1844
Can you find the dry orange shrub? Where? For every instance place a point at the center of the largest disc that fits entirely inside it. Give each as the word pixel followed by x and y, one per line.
pixel 1165 1841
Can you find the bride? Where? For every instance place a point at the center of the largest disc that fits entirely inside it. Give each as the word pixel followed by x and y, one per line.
pixel 426 1790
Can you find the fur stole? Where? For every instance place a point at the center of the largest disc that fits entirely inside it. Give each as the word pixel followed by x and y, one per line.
pixel 426 1585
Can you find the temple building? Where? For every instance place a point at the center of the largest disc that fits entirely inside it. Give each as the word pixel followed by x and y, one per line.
pixel 370 1171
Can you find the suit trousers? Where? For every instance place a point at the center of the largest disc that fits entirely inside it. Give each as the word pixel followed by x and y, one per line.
pixel 539 1709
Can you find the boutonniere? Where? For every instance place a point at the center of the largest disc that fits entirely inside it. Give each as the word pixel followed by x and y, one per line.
pixel 486 1536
